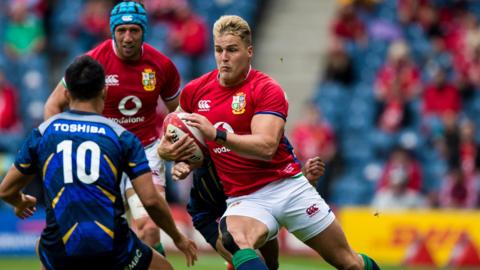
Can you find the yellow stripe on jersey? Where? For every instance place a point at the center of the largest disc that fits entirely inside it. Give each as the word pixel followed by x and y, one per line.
pixel 201 196
pixel 108 194
pixel 213 176
pixel 25 165
pixel 69 233
pixel 46 165
pixel 131 164
pixel 112 167
pixel 105 229
pixel 55 200
pixel 206 188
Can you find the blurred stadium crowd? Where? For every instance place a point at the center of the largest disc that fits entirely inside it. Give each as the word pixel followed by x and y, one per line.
pixel 406 74
pixel 394 115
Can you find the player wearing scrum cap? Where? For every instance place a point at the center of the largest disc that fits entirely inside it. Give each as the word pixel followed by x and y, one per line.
pixel 137 75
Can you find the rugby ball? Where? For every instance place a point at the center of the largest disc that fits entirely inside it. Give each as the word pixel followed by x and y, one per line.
pixel 174 122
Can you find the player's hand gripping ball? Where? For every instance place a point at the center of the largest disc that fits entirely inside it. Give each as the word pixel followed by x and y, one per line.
pixel 175 124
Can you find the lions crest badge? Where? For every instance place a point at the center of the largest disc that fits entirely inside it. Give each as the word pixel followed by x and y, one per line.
pixel 239 103
pixel 148 79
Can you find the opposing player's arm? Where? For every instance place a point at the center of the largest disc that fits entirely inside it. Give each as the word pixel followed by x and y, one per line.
pixel 155 205
pixel 159 211
pixel 267 130
pixel 313 169
pixel 11 192
pixel 56 102
pixel 135 165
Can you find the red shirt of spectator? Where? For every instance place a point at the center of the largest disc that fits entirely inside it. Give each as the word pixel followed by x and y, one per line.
pixel 458 190
pixel 468 149
pixel 397 83
pixel 399 78
pixel 8 106
pixel 400 158
pixel 94 19
pixel 188 32
pixel 313 137
pixel 472 68
pixel 347 24
pixel 441 97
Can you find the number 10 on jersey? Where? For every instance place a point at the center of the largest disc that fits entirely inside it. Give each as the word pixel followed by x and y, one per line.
pixel 81 154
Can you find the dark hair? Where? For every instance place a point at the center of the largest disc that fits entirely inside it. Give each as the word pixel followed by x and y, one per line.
pixel 84 78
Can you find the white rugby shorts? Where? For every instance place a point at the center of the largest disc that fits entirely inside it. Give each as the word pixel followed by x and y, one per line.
pixel 156 164
pixel 292 203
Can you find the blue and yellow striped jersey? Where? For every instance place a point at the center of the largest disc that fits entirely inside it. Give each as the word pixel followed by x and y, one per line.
pixel 80 157
pixel 207 195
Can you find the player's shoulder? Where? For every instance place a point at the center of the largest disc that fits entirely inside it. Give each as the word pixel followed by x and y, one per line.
pixel 203 80
pixel 101 50
pixel 259 77
pixel 151 52
pixel 69 119
pixel 262 83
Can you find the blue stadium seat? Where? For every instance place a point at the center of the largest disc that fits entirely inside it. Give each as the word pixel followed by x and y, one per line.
pixel 434 169
pixel 356 148
pixel 351 189
pixel 212 10
pixel 207 62
pixel 65 16
pixel 157 36
pixel 184 66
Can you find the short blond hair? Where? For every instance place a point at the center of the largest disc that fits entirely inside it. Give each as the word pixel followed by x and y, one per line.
pixel 233 25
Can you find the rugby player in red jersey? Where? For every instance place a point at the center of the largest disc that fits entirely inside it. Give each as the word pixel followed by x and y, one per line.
pixel 244 130
pixel 137 75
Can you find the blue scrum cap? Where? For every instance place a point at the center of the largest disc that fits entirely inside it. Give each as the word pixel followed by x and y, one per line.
pixel 128 13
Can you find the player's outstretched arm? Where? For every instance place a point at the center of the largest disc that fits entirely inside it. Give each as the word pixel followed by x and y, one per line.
pixel 10 191
pixel 159 211
pixel 56 102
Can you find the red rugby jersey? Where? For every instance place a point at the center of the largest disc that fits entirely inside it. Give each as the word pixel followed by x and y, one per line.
pixel 134 88
pixel 233 109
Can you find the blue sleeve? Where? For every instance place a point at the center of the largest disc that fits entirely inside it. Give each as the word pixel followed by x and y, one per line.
pixel 136 162
pixel 26 160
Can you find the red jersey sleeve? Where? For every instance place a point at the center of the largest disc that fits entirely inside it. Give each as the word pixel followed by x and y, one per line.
pixel 186 98
pixel 172 82
pixel 271 99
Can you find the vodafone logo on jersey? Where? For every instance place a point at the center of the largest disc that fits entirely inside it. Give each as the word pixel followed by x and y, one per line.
pixel 129 106
pixel 112 80
pixel 125 105
pixel 204 105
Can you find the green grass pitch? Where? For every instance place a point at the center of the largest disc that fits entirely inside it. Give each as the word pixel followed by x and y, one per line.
pixel 207 261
